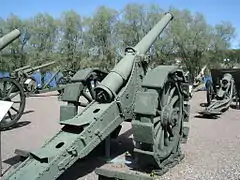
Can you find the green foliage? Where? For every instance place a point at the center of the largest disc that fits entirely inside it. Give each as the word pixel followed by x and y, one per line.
pixel 99 40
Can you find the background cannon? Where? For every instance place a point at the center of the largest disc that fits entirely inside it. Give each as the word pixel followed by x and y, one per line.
pixel 222 91
pixel 10 89
pixel 154 101
pixel 24 76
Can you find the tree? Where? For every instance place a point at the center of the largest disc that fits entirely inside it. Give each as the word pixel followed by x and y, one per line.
pixel 42 44
pixel 102 37
pixel 70 39
pixel 99 40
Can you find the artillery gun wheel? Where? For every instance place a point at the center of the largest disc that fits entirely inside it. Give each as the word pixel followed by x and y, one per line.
pixel 9 90
pixel 89 84
pixel 168 130
pixel 84 94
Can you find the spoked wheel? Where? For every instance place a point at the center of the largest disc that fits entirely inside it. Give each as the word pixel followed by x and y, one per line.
pixel 79 92
pixel 167 130
pixel 88 93
pixel 10 90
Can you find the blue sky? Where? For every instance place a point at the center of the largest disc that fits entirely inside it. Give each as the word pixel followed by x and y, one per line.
pixel 214 10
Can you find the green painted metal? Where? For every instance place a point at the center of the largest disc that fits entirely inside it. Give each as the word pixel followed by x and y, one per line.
pixel 82 84
pixel 222 91
pixel 22 68
pixel 118 97
pixel 120 73
pixel 10 89
pixel 9 38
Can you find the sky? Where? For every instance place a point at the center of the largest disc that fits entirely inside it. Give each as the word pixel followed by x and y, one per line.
pixel 215 11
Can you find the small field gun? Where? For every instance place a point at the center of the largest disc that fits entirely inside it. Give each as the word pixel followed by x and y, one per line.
pixel 10 89
pixel 154 102
pixel 24 76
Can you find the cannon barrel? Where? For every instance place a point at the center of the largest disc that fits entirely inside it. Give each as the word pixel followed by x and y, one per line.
pixel 111 84
pixel 22 68
pixel 8 38
pixel 32 69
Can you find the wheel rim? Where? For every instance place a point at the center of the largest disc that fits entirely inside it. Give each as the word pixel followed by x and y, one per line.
pixel 10 90
pixel 168 129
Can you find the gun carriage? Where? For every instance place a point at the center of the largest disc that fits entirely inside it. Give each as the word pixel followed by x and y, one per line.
pixel 155 102
pixel 24 76
pixel 222 91
pixel 10 89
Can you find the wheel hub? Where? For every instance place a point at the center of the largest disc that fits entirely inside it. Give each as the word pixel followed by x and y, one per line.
pixel 169 115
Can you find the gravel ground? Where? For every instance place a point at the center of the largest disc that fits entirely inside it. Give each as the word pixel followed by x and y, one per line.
pixel 212 151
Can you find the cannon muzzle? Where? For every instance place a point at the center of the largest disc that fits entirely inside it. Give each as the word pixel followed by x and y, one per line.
pixel 32 69
pixel 111 84
pixel 8 38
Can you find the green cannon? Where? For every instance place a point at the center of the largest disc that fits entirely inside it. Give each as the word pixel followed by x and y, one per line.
pixel 24 76
pixel 155 101
pixel 222 91
pixel 9 38
pixel 22 68
pixel 10 89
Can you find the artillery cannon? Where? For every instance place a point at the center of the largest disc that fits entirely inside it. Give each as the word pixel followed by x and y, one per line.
pixel 10 89
pixel 154 101
pixel 24 76
pixel 222 91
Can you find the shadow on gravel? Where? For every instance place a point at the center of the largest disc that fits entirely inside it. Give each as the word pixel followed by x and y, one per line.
pixel 87 165
pixel 203 104
pixel 13 160
pixel 41 95
pixel 234 106
pixel 26 112
pixel 19 124
pixel 206 117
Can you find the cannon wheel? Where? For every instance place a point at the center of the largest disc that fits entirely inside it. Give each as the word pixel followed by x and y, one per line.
pixel 9 89
pixel 90 83
pixel 167 129
pixel 209 91
pixel 87 93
